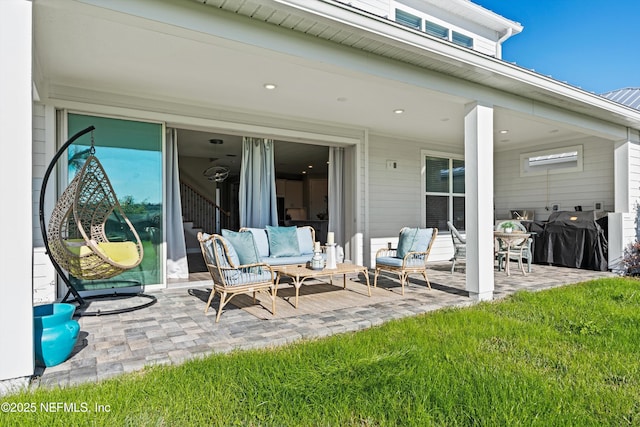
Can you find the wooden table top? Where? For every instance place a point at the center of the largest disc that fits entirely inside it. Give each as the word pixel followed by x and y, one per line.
pixel 302 271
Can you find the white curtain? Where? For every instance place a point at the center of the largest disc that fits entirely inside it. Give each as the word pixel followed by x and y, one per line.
pixel 258 204
pixel 336 193
pixel 177 266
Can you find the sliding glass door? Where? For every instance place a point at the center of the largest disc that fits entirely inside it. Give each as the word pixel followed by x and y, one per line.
pixel 131 154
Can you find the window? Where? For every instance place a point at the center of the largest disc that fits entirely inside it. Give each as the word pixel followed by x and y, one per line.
pixel 462 40
pixel 444 192
pixel 436 30
pixel 415 21
pixel 409 20
pixel 558 160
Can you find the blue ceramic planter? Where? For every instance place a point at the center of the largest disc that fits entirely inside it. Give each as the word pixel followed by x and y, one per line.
pixel 55 333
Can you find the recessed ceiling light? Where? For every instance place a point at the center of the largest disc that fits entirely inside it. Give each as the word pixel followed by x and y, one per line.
pixel 270 86
pixel 398 111
pixel 503 131
pixel 303 172
pixel 310 166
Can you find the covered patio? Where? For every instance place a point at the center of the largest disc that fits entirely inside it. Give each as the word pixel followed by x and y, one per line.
pixel 313 73
pixel 176 330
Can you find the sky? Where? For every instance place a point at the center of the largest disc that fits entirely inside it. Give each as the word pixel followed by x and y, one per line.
pixel 591 44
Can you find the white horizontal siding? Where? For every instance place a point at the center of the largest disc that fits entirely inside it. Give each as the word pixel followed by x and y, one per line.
pixel 377 7
pixel 595 183
pixel 484 45
pixel 44 289
pixel 395 199
pixel 395 195
pixel 38 166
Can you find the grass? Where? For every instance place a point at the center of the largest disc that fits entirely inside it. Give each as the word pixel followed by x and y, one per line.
pixel 562 357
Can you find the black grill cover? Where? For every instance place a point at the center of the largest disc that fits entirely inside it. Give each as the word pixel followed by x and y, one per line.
pixel 572 239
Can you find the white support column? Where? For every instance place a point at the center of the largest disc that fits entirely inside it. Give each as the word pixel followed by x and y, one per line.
pixel 621 177
pixel 623 228
pixel 478 161
pixel 16 280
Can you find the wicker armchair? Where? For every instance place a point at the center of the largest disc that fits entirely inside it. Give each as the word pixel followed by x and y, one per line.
pixel 230 278
pixel 459 246
pixel 410 257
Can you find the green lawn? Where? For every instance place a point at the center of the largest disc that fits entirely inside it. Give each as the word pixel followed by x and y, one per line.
pixel 564 357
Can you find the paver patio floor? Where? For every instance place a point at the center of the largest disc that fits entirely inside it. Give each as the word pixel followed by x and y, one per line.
pixel 176 329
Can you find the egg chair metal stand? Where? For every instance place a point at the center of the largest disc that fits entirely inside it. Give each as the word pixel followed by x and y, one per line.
pixel 76 240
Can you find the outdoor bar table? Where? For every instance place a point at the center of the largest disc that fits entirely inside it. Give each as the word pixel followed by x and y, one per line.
pixel 509 239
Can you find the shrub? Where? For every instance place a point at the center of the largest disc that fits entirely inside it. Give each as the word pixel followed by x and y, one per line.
pixel 631 260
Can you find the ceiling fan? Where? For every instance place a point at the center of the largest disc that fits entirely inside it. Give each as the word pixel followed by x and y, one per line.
pixel 216 173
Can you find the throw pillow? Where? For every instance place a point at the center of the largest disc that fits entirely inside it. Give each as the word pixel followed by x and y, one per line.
pixel 261 240
pixel 305 242
pixel 210 256
pixel 413 240
pixel 244 246
pixel 283 241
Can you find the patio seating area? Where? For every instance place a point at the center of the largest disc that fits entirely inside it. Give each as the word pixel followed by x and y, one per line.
pixel 176 329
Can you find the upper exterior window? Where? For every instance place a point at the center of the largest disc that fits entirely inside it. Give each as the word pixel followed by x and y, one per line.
pixel 405 18
pixel 436 30
pixel 462 40
pixel 444 192
pixel 416 22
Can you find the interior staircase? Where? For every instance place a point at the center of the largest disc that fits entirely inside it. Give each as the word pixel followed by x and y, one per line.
pixel 199 213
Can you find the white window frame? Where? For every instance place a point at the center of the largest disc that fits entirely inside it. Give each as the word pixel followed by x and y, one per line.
pixel 424 18
pixel 423 186
pixel 553 166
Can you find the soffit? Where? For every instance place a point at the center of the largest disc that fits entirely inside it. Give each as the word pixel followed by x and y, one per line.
pixel 340 23
pixel 96 52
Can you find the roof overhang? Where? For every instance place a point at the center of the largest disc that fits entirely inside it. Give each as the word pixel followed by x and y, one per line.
pixel 343 24
pixel 210 61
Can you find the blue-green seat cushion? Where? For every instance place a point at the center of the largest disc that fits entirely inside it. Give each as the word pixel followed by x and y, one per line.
pixel 244 245
pixel 305 241
pixel 283 241
pixel 261 240
pixel 251 275
pixel 413 240
pixel 397 262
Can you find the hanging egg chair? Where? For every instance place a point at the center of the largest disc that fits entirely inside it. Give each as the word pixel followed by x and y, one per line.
pixel 77 241
pixel 77 238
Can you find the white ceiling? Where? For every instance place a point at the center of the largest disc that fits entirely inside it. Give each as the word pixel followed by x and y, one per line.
pixel 291 159
pixel 83 50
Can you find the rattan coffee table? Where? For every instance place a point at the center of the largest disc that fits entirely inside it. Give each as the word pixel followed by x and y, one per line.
pixel 300 273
